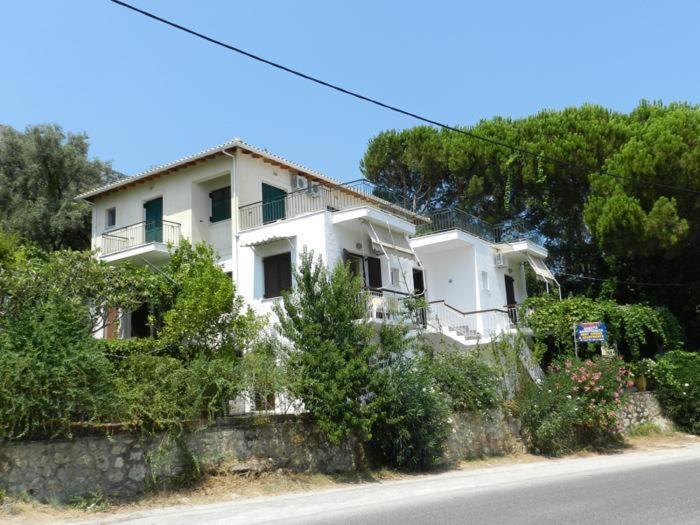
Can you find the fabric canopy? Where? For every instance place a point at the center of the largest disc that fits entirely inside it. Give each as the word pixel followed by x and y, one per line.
pixel 393 243
pixel 541 269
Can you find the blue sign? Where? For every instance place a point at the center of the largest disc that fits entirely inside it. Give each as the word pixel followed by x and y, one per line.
pixel 591 332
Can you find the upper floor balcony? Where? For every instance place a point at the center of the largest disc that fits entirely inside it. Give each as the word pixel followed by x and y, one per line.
pixel 455 219
pixel 145 240
pixel 316 198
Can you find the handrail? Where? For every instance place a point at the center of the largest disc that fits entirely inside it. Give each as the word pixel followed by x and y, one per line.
pixel 467 313
pixel 164 221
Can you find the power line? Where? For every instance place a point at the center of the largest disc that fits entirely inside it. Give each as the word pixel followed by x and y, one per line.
pixel 633 283
pixel 379 103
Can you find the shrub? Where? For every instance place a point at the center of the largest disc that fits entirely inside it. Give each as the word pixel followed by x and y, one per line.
pixel 574 406
pixel 330 359
pixel 638 330
pixel 50 374
pixel 412 415
pixel 160 392
pixel 676 380
pixel 469 383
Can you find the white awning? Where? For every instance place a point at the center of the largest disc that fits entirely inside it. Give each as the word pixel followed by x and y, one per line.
pixel 267 240
pixel 541 269
pixel 393 243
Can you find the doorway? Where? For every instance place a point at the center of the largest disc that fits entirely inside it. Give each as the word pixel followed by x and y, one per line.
pixel 154 220
pixel 273 203
pixel 510 299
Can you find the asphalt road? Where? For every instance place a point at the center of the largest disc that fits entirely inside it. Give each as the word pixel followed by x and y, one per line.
pixel 657 487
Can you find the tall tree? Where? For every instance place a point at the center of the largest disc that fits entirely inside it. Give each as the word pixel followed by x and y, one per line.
pixel 41 172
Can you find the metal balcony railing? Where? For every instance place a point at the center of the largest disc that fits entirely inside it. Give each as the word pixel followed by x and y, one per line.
pixel 455 219
pixel 140 234
pixel 317 197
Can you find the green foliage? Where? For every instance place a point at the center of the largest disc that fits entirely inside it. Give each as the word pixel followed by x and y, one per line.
pixel 330 360
pixel 50 375
pixel 412 413
pixel 163 393
pixel 263 371
pixel 675 379
pixel 42 277
pixel 203 315
pixel 469 383
pixel 644 430
pixel 41 172
pixel 575 406
pixel 54 373
pixel 638 330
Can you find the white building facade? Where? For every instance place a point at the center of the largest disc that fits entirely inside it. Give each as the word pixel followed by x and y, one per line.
pixel 260 212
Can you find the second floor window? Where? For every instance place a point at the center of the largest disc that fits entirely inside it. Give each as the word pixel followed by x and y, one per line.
pixel 111 218
pixel 220 204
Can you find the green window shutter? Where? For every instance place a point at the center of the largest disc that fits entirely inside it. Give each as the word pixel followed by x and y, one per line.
pixel 273 203
pixel 220 204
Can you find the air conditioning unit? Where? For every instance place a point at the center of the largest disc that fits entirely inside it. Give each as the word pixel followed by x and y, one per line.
pixel 315 190
pixel 299 182
pixel 500 260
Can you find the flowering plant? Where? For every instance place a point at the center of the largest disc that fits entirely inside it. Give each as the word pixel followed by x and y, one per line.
pixel 576 405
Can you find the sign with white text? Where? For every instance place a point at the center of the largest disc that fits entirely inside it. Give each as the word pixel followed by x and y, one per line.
pixel 591 332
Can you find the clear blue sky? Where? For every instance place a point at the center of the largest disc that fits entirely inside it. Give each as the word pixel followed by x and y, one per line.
pixel 146 94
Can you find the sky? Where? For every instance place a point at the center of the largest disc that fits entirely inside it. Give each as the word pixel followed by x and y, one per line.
pixel 146 94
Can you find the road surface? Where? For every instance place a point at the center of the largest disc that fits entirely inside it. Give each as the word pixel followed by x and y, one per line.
pixel 659 487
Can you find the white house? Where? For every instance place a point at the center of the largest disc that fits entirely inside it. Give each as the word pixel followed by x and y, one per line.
pixel 260 211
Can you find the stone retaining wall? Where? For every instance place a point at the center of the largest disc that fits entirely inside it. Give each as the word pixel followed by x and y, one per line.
pixel 124 464
pixel 643 407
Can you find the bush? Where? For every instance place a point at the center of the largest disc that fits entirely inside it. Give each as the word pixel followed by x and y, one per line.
pixel 330 360
pixel 412 415
pixel 469 383
pixel 50 374
pixel 676 380
pixel 162 393
pixel 638 330
pixel 575 406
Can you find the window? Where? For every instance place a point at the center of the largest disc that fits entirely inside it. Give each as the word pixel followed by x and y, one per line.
pixel 111 218
pixel 220 204
pixel 278 274
pixel 374 272
pixel 395 278
pixel 485 285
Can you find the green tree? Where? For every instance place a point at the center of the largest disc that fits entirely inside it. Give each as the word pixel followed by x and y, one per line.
pixel 330 362
pixel 201 314
pixel 41 172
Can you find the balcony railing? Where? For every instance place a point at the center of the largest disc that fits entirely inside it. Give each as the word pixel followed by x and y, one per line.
pixel 140 234
pixel 317 198
pixel 455 219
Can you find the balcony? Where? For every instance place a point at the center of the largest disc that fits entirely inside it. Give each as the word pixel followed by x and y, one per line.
pixel 317 198
pixel 454 219
pixel 140 241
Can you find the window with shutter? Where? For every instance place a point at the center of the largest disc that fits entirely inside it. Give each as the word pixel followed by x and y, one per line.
pixel 278 274
pixel 374 272
pixel 220 204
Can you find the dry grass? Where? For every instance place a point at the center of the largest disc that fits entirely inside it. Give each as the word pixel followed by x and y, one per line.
pixel 222 485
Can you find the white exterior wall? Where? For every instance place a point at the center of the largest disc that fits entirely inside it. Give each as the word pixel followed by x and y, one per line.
pixel 185 201
pixel 449 276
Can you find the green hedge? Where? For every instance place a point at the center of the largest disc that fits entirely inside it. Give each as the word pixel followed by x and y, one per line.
pixel 676 380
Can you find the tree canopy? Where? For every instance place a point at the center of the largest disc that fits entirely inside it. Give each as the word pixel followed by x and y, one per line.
pixel 603 192
pixel 41 172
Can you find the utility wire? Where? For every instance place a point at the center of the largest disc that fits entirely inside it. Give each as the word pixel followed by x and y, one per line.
pixel 633 283
pixel 396 109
